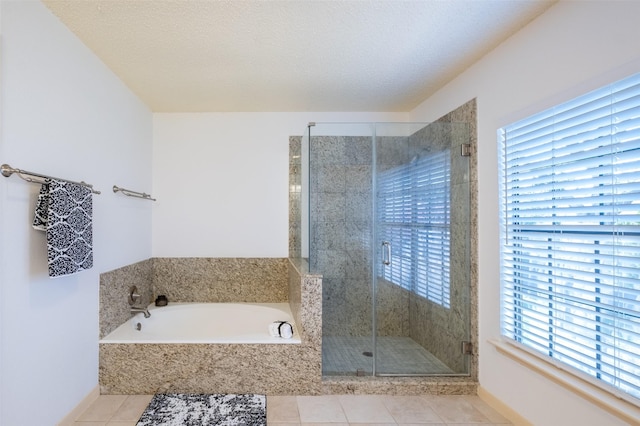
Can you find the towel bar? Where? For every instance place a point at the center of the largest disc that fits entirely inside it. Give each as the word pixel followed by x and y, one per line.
pixel 7 171
pixel 131 193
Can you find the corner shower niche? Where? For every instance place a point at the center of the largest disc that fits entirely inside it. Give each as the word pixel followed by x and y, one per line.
pixel 385 218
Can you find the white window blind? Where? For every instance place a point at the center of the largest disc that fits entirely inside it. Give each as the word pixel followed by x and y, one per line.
pixel 570 214
pixel 414 217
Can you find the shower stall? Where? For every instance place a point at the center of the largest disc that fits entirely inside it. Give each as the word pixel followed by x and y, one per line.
pixel 385 216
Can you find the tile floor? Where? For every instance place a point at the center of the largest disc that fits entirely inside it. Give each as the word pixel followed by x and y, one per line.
pixel 325 410
pixel 344 355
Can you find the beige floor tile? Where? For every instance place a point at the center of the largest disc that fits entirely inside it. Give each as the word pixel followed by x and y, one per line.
pixel 282 409
pixel 411 409
pixel 323 424
pixel 456 409
pixel 473 424
pixel 373 424
pixel 132 408
pixel 102 408
pixel 433 424
pixel 325 410
pixel 320 409
pixel 365 409
pixel 488 412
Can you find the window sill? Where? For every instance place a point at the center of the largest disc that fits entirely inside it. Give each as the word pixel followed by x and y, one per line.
pixel 612 403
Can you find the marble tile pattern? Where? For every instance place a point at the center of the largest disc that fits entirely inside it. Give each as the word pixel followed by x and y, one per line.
pixel 115 289
pixel 295 202
pixel 213 280
pixel 399 386
pixel 441 330
pixel 340 236
pixel 392 314
pixel 277 369
pixel 340 240
pixel 305 301
pixel 286 369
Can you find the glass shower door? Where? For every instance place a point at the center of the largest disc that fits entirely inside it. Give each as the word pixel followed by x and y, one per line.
pixel 421 280
pixel 340 242
pixel 388 229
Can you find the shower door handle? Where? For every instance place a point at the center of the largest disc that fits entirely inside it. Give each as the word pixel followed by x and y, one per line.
pixel 386 253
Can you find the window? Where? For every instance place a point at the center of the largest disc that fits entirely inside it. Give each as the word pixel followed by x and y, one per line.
pixel 570 216
pixel 414 217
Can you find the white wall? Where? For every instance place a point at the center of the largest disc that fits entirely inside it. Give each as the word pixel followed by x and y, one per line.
pixel 63 113
pixel 222 181
pixel 571 49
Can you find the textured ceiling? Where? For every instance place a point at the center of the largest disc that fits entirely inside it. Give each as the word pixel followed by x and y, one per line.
pixel 294 55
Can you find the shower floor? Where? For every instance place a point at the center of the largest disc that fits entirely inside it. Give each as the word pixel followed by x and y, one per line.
pixel 343 356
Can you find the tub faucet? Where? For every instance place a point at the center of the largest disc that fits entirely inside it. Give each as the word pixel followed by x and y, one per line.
pixel 145 311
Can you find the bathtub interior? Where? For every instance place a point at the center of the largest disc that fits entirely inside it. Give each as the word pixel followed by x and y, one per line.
pixel 230 323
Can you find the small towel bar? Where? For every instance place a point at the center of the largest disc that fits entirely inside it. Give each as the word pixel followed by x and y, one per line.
pixel 131 193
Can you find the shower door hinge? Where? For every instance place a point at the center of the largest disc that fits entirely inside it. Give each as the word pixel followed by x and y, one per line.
pixel 465 150
pixel 311 124
pixel 467 348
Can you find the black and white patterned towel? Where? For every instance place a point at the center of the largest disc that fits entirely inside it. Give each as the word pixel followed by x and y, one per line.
pixel 177 409
pixel 64 211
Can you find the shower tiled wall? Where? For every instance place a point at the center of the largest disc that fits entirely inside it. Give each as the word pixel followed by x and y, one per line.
pixel 441 330
pixel 295 182
pixel 340 232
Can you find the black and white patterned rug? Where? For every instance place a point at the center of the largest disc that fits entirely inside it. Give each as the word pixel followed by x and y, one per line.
pixel 179 409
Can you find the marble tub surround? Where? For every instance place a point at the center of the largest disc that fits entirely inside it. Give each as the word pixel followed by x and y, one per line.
pixel 213 280
pixel 210 368
pixel 207 280
pixel 227 368
pixel 114 293
pixel 305 301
